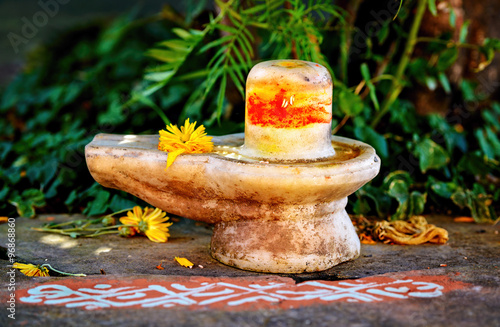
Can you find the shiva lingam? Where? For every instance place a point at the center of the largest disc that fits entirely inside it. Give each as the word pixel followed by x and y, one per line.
pixel 276 194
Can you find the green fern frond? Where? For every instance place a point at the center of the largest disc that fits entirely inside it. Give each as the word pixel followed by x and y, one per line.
pixel 174 53
pixel 233 59
pixel 294 28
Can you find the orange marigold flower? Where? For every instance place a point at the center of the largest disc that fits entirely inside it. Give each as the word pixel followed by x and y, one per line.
pixel 187 139
pixel 31 270
pixel 149 222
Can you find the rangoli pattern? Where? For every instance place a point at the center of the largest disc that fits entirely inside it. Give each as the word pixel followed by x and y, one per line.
pixel 222 293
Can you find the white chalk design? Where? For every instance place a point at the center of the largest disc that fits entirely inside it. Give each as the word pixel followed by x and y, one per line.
pixel 227 294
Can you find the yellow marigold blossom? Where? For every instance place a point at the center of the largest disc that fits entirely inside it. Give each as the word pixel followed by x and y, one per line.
pixel 31 270
pixel 177 141
pixel 149 222
pixel 184 262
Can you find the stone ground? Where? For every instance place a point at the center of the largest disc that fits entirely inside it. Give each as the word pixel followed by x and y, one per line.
pixel 457 284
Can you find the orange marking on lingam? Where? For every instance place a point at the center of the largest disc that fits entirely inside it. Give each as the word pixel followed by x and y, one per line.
pixel 281 112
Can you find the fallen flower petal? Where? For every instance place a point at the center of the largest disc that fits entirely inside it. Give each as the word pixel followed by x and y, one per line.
pixel 184 262
pixel 464 220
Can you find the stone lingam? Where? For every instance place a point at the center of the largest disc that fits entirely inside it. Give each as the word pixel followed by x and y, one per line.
pixel 276 194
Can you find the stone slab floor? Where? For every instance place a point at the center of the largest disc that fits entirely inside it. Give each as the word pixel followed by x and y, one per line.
pixel 457 284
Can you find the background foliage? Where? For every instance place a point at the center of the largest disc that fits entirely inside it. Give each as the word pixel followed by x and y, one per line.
pixel 90 80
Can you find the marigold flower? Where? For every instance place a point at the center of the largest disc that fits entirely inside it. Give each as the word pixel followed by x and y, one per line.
pixel 149 222
pixel 187 139
pixel 31 270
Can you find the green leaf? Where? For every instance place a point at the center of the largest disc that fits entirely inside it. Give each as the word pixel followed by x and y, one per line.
pixel 383 33
pixel 227 28
pixel 432 7
pixel 417 203
pixel 99 205
pixel 255 9
pixel 165 55
pixel 464 30
pixel 118 203
pixel 3 193
pixel 381 200
pixel 183 34
pixel 453 18
pixel 474 163
pixel 160 76
pixel 365 72
pixel 490 118
pixel 478 202
pixel 431 155
pixel 27 202
pixel 5 148
pixel 445 83
pixel 447 58
pixel 468 92
pixel 349 103
pixel 489 47
pixel 398 189
pixel 72 197
pixel 220 96
pixel 215 43
pixel 493 140
pixel 486 147
pixel 397 175
pixel 176 44
pixel 370 136
pixel 460 198
pixel 444 190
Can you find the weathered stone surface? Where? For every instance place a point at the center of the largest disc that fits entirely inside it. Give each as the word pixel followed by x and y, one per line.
pixel 471 256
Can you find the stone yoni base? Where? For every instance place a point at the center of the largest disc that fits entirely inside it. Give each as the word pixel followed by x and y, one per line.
pixel 278 217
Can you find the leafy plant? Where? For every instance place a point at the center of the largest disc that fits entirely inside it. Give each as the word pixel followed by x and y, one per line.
pixel 195 67
pixel 70 90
